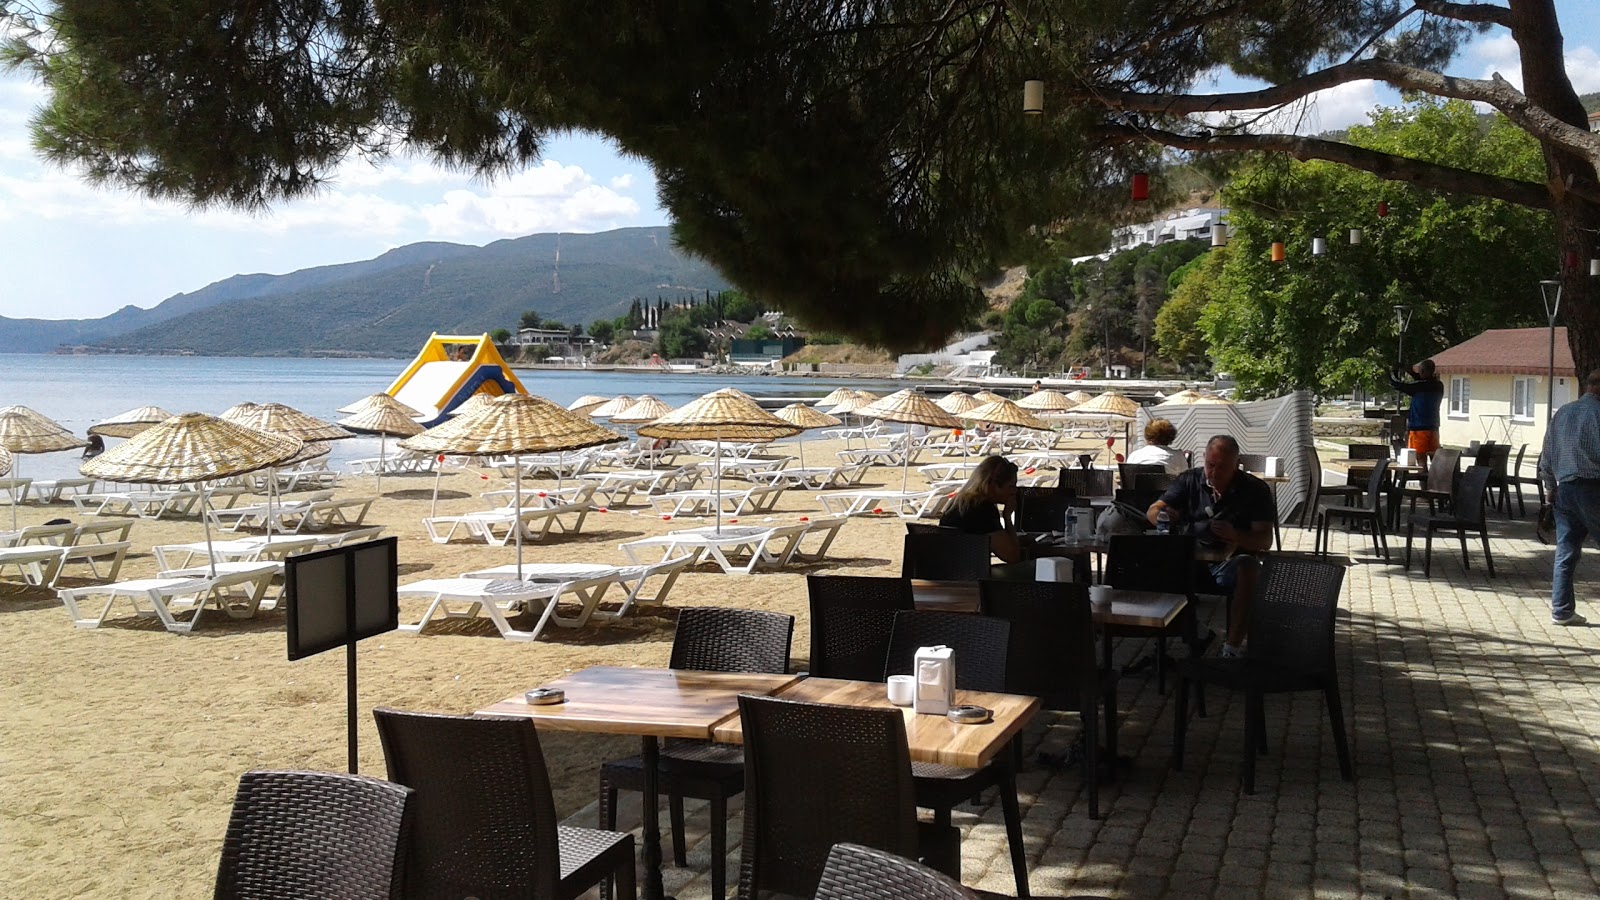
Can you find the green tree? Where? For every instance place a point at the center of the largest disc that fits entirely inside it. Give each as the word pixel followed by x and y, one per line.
pixel 500 335
pixel 740 307
pixel 679 337
pixel 530 319
pixel 1177 326
pixel 602 330
pixel 758 332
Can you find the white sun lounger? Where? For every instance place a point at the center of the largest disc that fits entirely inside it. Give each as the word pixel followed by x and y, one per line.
pixel 239 550
pixel 499 599
pixel 320 515
pixel 634 578
pixel 617 486
pixel 548 496
pixel 38 564
pixel 238 592
pixel 499 526
pixel 758 499
pixel 759 547
pixel 906 504
pixel 29 535
pixel 93 554
pixel 53 490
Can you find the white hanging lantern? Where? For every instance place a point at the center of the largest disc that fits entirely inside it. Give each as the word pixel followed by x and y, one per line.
pixel 1219 235
pixel 1033 97
pixel 1319 246
pixel 1355 236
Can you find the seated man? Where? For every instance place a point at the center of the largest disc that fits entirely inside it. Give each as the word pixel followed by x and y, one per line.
pixel 1225 508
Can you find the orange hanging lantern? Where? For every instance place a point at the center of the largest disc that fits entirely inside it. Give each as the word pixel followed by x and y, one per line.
pixel 1141 186
pixel 1277 251
pixel 1383 208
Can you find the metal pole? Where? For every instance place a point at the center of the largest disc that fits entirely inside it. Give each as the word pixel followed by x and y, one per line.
pixel 1550 379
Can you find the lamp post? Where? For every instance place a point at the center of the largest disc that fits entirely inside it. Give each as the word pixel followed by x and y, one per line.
pixel 1550 292
pixel 1402 321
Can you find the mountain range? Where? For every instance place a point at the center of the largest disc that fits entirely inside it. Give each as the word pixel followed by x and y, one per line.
pixel 387 306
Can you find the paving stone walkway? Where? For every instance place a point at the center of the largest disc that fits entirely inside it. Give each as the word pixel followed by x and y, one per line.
pixel 1472 723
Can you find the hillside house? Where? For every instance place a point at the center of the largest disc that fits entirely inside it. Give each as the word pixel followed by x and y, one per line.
pixel 1177 226
pixel 1496 387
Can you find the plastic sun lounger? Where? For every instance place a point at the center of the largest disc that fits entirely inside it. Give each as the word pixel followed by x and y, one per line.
pixel 38 565
pixel 56 490
pixel 758 499
pixel 826 530
pixel 144 504
pixel 52 535
pixel 92 554
pixel 548 496
pixel 486 525
pixel 766 547
pixel 320 515
pixel 15 489
pixel 238 592
pixel 633 578
pixel 860 503
pixel 239 550
pixel 498 599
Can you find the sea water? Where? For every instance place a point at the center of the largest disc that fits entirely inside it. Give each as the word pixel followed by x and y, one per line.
pixel 78 391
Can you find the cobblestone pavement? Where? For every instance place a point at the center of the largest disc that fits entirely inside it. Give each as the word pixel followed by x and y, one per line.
pixel 1472 723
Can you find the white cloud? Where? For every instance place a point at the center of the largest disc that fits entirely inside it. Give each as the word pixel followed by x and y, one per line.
pixel 547 197
pixel 1501 55
pixel 1337 107
pixel 622 182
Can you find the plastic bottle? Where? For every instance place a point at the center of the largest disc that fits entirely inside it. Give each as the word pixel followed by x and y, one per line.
pixel 1163 522
pixel 1072 525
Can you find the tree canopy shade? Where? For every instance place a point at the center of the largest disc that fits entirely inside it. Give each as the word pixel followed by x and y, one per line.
pixel 856 163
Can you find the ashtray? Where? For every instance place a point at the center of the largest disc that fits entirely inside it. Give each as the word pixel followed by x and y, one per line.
pixel 545 696
pixel 968 715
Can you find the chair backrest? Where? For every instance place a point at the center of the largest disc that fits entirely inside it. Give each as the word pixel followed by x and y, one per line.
pixel 1051 652
pixel 720 639
pixel 855 872
pixel 1497 458
pixel 1151 562
pixel 1041 508
pixel 1368 451
pixel 1152 483
pixel 485 821
pixel 1375 484
pixel 1127 472
pixel 1443 469
pixel 852 617
pixel 1292 613
pixel 1253 462
pixel 979 643
pixel 315 834
pixel 1471 494
pixel 1087 482
pixel 1522 453
pixel 922 528
pixel 947 555
pixel 817 775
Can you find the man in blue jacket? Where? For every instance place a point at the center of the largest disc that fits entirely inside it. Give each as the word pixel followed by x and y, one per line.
pixel 1426 392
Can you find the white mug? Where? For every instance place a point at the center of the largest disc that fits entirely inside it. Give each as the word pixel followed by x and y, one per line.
pixel 1100 597
pixel 902 689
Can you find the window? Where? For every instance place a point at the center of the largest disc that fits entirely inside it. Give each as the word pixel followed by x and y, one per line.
pixel 1522 399
pixel 1460 397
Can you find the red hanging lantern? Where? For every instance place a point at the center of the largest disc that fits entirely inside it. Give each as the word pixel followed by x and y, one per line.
pixel 1277 251
pixel 1141 186
pixel 1383 208
pixel 1571 261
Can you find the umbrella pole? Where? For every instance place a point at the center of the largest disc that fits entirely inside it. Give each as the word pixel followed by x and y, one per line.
pixel 383 437
pixel 561 471
pixel 801 437
pixel 205 517
pixel 272 490
pixel 516 521
pixel 438 472
pixel 16 472
pixel 716 478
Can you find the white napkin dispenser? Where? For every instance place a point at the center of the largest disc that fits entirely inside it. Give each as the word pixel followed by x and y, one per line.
pixel 935 670
pixel 1274 467
pixel 1052 568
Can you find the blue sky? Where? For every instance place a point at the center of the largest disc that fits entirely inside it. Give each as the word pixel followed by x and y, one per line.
pixel 76 251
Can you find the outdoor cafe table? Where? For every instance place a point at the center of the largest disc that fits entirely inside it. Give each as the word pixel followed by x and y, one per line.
pixel 650 703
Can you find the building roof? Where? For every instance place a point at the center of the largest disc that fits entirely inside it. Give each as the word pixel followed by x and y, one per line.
pixel 1507 351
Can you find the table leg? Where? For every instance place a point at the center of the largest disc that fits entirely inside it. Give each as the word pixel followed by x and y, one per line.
pixel 650 756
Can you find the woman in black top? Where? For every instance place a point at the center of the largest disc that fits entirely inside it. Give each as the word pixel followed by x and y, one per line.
pixel 984 505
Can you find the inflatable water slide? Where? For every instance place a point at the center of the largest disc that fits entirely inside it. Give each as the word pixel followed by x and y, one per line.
pixel 449 370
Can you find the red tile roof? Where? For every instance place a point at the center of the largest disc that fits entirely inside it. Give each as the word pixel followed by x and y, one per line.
pixel 1507 351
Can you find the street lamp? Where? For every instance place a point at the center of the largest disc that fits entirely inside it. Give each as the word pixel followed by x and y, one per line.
pixel 1550 292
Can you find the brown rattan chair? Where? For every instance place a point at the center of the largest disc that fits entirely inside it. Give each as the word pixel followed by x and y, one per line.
pixel 1468 513
pixel 854 872
pixel 1497 458
pixel 708 639
pixel 1087 482
pixel 1041 508
pixel 1051 656
pixel 1370 511
pixel 1439 487
pixel 1291 650
pixel 817 775
pixel 315 834
pixel 1516 480
pixel 922 528
pixel 981 644
pixel 949 555
pixel 852 617
pixel 486 825
pixel 1154 562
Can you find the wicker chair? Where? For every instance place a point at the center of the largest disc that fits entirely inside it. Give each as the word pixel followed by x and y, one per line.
pixel 1291 650
pixel 1154 562
pixel 852 617
pixel 708 639
pixel 1041 508
pixel 1439 488
pixel 1127 472
pixel 1515 479
pixel 922 528
pixel 854 872
pixel 485 822
pixel 980 644
pixel 1051 656
pixel 1087 482
pixel 947 556
pixel 817 775
pixel 1467 514
pixel 315 834
pixel 1497 458
pixel 1371 510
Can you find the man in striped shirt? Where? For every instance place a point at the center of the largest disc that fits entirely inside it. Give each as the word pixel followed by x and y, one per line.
pixel 1569 465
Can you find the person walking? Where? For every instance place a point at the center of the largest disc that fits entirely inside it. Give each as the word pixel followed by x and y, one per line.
pixel 1569 466
pixel 1427 393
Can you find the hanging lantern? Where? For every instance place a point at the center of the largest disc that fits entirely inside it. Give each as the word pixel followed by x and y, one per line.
pixel 1355 236
pixel 1319 246
pixel 1141 186
pixel 1594 267
pixel 1277 251
pixel 1571 261
pixel 1383 208
pixel 1219 235
pixel 1033 97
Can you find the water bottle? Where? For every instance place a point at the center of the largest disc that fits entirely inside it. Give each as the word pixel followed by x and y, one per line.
pixel 1072 525
pixel 1163 522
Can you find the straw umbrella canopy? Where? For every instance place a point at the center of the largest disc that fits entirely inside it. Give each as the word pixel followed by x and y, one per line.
pixel 1182 398
pixel 836 397
pixel 852 403
pixel 511 425
pixel 806 418
pixel 647 408
pixel 236 411
pixel 957 402
pixel 383 420
pixel 277 418
pixel 23 430
pixel 5 461
pixel 130 423
pixel 1048 400
pixel 192 447
pixel 909 407
pixel 473 405
pixel 986 396
pixel 724 415
pixel 586 402
pixel 379 399
pixel 1110 403
pixel 1079 396
pixel 1006 412
pixel 617 404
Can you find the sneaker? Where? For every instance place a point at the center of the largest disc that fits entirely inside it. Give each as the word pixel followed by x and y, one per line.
pixel 1229 651
pixel 1573 619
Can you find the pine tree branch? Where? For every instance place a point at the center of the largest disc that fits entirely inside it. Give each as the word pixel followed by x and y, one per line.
pixel 1486 13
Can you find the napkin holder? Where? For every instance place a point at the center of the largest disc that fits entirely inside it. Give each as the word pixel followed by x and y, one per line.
pixel 1274 467
pixel 935 670
pixel 1052 568
pixel 1407 457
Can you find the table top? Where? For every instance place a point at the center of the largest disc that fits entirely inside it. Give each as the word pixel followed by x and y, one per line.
pixel 933 739
pixel 1129 609
pixel 659 702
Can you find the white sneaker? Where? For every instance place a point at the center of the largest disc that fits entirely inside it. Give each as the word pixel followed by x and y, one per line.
pixel 1229 651
pixel 1573 619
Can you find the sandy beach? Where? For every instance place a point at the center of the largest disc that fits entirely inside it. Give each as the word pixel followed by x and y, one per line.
pixel 123 745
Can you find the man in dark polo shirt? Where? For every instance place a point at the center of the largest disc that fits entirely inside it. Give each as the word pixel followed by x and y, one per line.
pixel 1228 509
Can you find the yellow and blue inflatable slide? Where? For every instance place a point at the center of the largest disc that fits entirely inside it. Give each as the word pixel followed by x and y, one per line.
pixel 448 371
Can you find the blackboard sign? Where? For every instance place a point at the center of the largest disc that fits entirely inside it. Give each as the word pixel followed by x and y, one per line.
pixel 334 598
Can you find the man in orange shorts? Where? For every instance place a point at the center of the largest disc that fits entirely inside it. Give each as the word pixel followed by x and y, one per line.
pixel 1427 394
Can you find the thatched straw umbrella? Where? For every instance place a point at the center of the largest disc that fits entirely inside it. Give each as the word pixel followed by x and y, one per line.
pixel 606 410
pixel 957 402
pixel 805 418
pixel 24 431
pixel 586 402
pixel 379 399
pixel 909 407
pixel 130 423
pixel 1048 400
pixel 383 421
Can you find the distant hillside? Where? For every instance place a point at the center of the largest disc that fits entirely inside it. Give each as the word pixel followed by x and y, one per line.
pixel 389 305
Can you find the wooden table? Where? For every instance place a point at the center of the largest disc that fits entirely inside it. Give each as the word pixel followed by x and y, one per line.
pixel 1133 609
pixel 651 703
pixel 933 739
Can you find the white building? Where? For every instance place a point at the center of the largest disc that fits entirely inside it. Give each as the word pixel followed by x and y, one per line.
pixel 1497 387
pixel 1177 226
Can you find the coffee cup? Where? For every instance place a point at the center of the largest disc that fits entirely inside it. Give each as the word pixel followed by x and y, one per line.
pixel 1100 597
pixel 902 690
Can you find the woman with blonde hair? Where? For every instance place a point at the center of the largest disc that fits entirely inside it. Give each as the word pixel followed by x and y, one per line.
pixel 985 505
